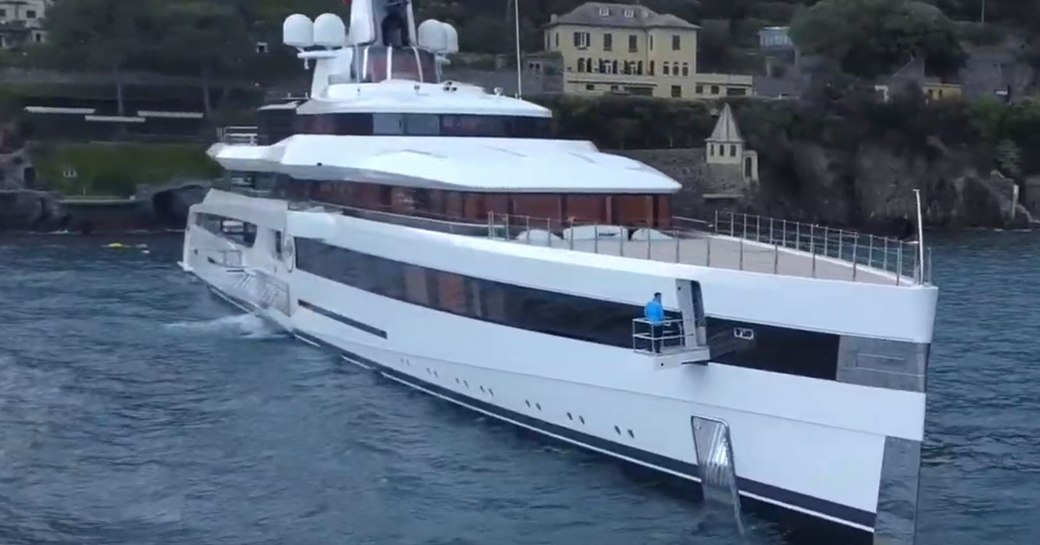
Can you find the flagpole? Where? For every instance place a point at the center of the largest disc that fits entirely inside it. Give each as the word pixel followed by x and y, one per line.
pixel 516 21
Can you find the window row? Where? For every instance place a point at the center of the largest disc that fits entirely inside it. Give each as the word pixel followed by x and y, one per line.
pixel 237 231
pixel 754 346
pixel 583 40
pixel 560 209
pixel 390 124
pixel 573 317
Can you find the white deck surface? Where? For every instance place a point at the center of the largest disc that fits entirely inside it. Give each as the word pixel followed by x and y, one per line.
pixel 726 253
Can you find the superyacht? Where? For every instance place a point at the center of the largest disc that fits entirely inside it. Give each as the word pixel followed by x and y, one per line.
pixel 510 272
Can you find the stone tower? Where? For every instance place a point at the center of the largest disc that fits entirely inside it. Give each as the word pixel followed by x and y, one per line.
pixel 726 147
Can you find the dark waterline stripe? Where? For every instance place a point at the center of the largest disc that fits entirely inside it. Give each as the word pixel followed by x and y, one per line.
pixel 804 501
pixel 361 326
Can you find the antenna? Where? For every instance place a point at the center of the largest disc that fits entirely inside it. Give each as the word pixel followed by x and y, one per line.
pixel 920 237
pixel 516 21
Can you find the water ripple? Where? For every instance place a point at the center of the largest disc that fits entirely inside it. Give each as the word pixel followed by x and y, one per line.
pixel 135 408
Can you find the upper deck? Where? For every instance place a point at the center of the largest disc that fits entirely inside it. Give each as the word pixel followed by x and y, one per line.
pixel 740 242
pixel 732 241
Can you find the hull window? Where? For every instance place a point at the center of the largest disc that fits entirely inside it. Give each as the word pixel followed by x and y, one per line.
pixel 581 318
pixel 237 231
pixel 743 344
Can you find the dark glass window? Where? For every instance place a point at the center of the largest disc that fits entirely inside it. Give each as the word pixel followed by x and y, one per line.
pixel 275 125
pixel 771 348
pixel 582 318
pixel 237 231
pixel 391 124
pixel 755 346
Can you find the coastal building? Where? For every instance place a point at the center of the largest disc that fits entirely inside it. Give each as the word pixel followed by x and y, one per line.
pixel 21 22
pixel 630 49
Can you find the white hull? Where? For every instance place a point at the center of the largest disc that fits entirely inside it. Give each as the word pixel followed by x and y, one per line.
pixel 809 445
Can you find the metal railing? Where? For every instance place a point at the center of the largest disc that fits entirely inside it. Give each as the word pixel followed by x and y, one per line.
pixel 668 337
pixel 859 250
pixel 238 135
pixel 428 221
pixel 738 241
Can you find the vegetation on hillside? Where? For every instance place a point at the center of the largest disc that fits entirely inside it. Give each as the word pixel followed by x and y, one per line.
pixel 117 169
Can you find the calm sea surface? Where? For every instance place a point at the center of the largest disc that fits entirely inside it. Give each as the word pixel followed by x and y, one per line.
pixel 137 409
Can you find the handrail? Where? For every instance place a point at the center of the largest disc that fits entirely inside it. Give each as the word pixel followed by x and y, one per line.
pixel 648 340
pixel 238 135
pixel 854 254
pixel 858 256
pixel 903 259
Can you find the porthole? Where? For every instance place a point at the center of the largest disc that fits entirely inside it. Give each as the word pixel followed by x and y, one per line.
pixel 528 403
pixel 481 389
pixel 632 435
pixel 435 373
pixel 538 405
pixel 466 383
pixel 617 430
pixel 570 416
pixel 581 419
pixel 457 381
pixel 492 392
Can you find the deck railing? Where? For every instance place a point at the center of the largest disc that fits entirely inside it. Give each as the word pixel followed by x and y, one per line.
pixel 240 134
pixel 899 257
pixel 860 253
pixel 667 337
pixel 860 256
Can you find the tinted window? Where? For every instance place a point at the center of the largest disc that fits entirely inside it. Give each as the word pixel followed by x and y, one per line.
pixel 274 125
pixel 769 348
pixel 574 317
pixel 237 231
pixel 390 124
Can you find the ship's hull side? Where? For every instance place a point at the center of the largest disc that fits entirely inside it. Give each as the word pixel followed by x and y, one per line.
pixel 815 444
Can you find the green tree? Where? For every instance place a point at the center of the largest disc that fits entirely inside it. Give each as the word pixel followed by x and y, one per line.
pixel 103 35
pixel 875 37
pixel 203 37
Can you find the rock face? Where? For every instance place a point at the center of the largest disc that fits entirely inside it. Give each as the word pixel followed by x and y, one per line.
pixel 27 209
pixel 871 188
pixel 43 211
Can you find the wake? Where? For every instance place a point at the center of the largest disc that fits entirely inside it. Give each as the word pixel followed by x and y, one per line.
pixel 247 326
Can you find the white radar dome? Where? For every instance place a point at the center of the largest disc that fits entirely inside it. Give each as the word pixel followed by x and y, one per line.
pixel 433 35
pixel 329 31
pixel 452 39
pixel 298 31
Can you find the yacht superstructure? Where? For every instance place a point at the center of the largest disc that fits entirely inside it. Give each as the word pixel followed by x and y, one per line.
pixel 510 270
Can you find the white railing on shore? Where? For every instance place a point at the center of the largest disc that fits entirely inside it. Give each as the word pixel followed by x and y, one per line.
pixel 238 135
pixel 861 253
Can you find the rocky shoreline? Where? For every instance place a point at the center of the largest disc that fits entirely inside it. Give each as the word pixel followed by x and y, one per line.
pixel 152 209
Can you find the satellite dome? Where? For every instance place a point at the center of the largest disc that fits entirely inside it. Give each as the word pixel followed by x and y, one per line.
pixel 452 39
pixel 329 31
pixel 433 35
pixel 298 31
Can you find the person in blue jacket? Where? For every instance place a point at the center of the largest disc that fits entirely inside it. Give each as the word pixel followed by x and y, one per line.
pixel 654 314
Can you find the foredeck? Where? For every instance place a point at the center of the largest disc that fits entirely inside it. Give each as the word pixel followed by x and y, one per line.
pixel 739 242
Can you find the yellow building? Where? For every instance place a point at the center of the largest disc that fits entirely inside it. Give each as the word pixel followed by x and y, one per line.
pixel 621 48
pixel 21 21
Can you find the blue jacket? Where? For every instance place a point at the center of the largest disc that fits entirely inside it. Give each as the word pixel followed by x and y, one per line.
pixel 654 312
